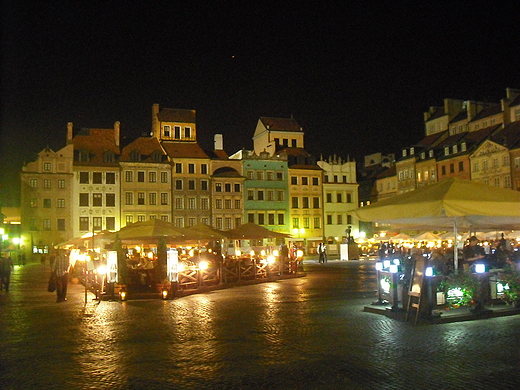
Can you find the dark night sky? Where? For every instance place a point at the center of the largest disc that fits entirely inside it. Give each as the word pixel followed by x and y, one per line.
pixel 356 76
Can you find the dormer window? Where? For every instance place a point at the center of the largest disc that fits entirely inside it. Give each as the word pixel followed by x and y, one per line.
pixel 463 147
pixel 447 151
pixel 135 155
pixel 404 152
pixel 423 155
pixel 156 156
pixel 412 151
pixel 187 132
pixel 430 153
pixel 455 149
pixel 109 157
pixel 167 131
pixel 83 156
pixel 177 132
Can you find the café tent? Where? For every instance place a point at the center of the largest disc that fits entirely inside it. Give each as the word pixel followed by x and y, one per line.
pixel 208 232
pixel 452 203
pixel 154 229
pixel 427 236
pixel 249 231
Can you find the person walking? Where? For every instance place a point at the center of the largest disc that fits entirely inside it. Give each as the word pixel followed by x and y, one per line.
pixel 6 266
pixel 61 268
pixel 321 253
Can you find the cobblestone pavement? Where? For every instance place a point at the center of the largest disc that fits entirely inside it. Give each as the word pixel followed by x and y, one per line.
pixel 304 333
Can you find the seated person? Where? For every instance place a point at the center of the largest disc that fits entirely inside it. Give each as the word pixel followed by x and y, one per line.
pixel 473 253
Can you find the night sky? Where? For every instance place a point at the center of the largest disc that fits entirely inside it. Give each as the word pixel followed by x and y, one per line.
pixel 357 76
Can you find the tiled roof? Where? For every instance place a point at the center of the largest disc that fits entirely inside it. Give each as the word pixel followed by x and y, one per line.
pixel 430 140
pixel 281 124
pixel 176 115
pixel 515 102
pixel 184 150
pixel 144 145
pixel 226 172
pixel 462 115
pixel 489 111
pixel 388 172
pixel 509 136
pixel 97 142
pixel 217 154
pixel 439 112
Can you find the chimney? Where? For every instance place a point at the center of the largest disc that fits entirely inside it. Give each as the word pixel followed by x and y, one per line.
pixel 156 126
pixel 219 142
pixel 472 109
pixel 117 132
pixel 69 133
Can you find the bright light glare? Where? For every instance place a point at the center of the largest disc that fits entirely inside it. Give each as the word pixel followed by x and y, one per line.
pixel 428 271
pixel 203 265
pixel 270 259
pixel 102 270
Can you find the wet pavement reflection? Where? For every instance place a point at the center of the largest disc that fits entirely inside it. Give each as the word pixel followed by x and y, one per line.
pixel 303 333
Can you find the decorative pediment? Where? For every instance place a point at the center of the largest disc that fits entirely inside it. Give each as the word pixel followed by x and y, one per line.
pixel 487 148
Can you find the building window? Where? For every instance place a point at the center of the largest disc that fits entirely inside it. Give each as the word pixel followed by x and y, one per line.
pixel 329 219
pixel 227 187
pixel 461 166
pixel 279 176
pixel 328 196
pixel 270 175
pixel 129 219
pixel 270 219
pixel 178 184
pixel 164 177
pixel 306 223
pixel 294 202
pixel 507 181
pixel 97 200
pixel 110 200
pixel 179 222
pixel 61 184
pixel 204 203
pixel 218 223
pixel 339 219
pixel 33 202
pixel 204 185
pixel 218 187
pixel 83 177
pixel 97 177
pixel 179 203
pixel 33 224
pixel 46 224
pixel 177 132
pixel 261 219
pixel 294 180
pixel 305 181
pixel 152 177
pixel 129 198
pixel 60 203
pixel 141 218
pixel 316 181
pixel 46 183
pixel 84 224
pixel 305 202
pixel 281 219
pixel 227 204
pixel 164 198
pixel 110 178
pixel 317 223
pixel 218 204
pixel 191 168
pixel 192 203
pixel 167 131
pixel 296 223
pixel 187 132
pixel 129 176
pixel 178 168
pixel 46 203
pixel 339 197
pixel 140 198
pixel 83 199
pixel 250 195
pixel 152 198
pixel 97 223
pixel 192 221
pixel 61 224
pixel 140 177
pixel 191 185
pixel 250 217
pixel 260 195
pixel 280 196
pixel 443 170
pixel 110 223
pixel 316 202
pixel 259 175
pixel 47 166
pixel 270 195
pixel 238 204
pixel 204 169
